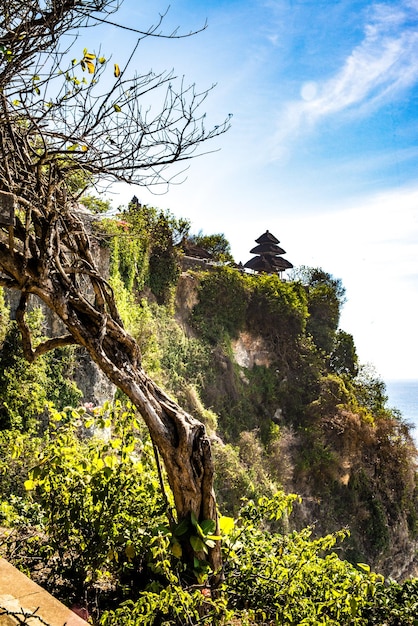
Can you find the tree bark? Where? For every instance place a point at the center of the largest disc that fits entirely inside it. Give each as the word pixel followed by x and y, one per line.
pixel 61 133
pixel 93 323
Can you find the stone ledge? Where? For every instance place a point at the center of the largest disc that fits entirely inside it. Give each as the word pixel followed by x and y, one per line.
pixel 18 593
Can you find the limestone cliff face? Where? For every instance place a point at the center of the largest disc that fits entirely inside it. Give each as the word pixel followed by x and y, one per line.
pixel 348 470
pixel 186 298
pixel 250 350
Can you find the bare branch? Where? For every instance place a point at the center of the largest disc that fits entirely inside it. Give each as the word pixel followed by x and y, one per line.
pixel 43 347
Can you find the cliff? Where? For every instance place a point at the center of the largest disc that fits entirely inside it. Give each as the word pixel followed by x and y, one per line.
pixel 263 363
pixel 295 415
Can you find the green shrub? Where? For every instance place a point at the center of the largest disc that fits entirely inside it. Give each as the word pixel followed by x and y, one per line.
pixel 221 309
pixel 25 388
pixel 292 578
pixel 277 309
pixel 100 495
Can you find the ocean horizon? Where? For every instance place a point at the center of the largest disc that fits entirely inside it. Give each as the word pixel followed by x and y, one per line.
pixel 403 395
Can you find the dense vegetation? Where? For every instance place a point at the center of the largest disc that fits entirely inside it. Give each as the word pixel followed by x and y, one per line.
pixel 92 519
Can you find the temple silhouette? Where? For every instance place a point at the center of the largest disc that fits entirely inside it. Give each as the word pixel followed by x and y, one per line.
pixel 269 259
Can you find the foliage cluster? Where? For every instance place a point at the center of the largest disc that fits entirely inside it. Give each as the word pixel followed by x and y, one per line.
pixel 141 239
pixel 222 306
pixel 179 362
pixel 216 245
pixel 25 388
pixel 92 511
pixel 264 302
pixel 97 495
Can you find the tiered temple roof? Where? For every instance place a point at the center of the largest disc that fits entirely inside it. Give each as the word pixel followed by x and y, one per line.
pixel 269 256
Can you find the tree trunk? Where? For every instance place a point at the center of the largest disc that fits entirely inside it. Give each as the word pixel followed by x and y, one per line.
pixel 180 439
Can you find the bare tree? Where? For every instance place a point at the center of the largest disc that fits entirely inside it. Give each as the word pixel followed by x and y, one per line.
pixel 59 134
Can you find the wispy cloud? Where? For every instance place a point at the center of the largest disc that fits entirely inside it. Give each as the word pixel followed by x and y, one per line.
pixel 381 67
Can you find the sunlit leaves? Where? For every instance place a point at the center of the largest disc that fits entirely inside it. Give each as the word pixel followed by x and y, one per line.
pixel 226 524
pixel 36 89
pixel 98 494
pixel 6 53
pixel 29 484
pixel 292 578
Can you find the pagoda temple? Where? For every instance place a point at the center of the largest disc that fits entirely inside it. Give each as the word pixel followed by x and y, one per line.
pixel 269 256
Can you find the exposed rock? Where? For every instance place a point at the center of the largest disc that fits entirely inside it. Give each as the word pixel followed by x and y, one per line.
pixel 186 299
pixel 96 387
pixel 249 351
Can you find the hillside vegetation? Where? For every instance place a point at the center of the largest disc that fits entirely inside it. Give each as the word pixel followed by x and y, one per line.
pixel 263 364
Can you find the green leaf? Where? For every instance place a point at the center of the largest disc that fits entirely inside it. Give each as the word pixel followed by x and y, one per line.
pixel 117 108
pixel 182 528
pixel 176 549
pixel 36 472
pixel 110 461
pixel 353 606
pixel 364 566
pixel 197 544
pixel 130 551
pixel 193 519
pixel 208 526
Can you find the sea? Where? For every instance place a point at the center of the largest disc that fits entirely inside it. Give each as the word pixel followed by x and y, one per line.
pixel 403 395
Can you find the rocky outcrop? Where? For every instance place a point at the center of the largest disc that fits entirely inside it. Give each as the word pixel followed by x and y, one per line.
pixel 249 350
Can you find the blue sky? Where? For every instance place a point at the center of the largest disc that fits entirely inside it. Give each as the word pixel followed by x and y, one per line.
pixel 323 149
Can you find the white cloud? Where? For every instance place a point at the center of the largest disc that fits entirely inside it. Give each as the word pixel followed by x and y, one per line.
pixel 383 65
pixel 372 246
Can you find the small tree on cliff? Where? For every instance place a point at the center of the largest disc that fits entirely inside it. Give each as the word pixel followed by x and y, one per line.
pixel 59 134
